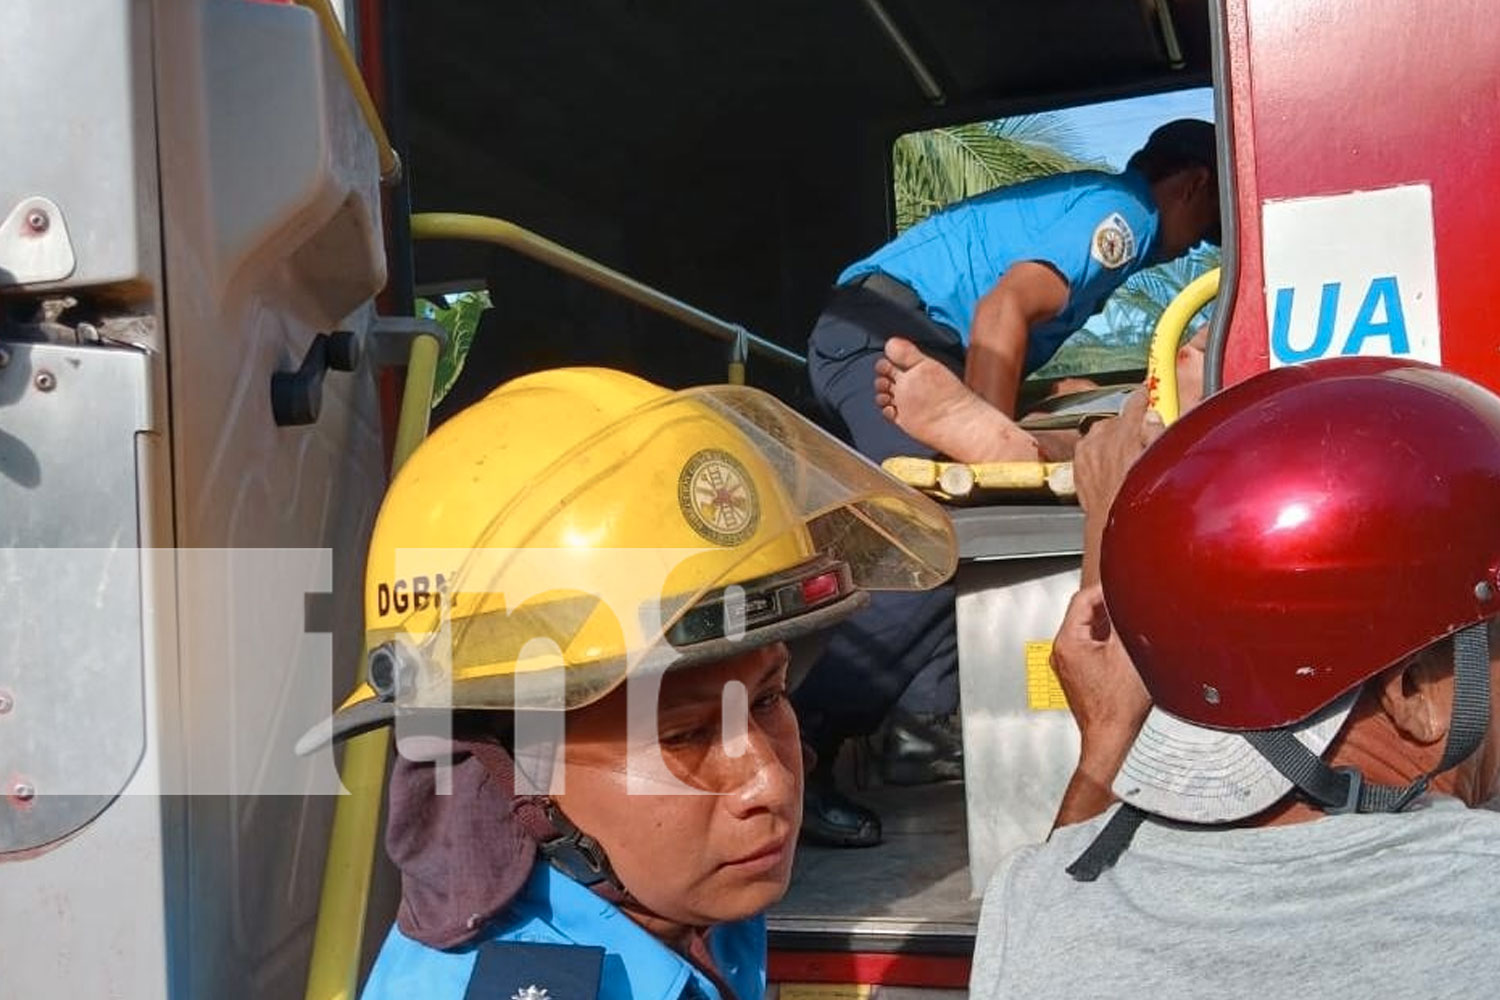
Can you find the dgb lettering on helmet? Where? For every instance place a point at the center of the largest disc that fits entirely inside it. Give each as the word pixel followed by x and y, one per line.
pixel 416 594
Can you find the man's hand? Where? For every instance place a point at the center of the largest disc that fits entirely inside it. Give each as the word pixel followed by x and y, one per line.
pixel 1105 693
pixel 1100 462
pixel 1109 449
pixel 1106 697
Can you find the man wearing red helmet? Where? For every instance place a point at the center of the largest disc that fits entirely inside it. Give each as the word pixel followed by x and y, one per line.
pixel 1304 573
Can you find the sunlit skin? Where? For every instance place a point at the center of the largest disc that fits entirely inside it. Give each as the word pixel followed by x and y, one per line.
pixel 692 861
pixel 1188 207
pixel 1398 731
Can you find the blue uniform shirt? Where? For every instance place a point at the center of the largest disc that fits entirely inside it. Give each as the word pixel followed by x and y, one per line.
pixel 1095 229
pixel 559 935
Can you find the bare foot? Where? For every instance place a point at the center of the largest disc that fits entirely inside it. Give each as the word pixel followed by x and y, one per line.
pixel 929 402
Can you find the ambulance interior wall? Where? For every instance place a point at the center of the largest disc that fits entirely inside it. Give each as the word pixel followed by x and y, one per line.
pixel 734 156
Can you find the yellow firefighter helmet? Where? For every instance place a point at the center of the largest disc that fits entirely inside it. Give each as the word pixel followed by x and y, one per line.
pixel 579 524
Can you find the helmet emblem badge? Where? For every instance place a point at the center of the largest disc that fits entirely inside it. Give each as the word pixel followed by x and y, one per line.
pixel 718 497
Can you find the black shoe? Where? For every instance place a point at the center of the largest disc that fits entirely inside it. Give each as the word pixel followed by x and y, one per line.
pixel 832 820
pixel 922 750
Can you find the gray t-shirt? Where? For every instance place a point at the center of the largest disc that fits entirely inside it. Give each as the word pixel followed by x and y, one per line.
pixel 1402 906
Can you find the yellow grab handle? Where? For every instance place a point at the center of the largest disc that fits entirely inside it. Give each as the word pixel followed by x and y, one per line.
pixel 334 973
pixel 1161 364
pixel 390 163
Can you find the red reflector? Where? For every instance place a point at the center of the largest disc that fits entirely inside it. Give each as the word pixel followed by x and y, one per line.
pixel 820 588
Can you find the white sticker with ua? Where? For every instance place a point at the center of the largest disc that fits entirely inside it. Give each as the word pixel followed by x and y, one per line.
pixel 1113 244
pixel 1351 274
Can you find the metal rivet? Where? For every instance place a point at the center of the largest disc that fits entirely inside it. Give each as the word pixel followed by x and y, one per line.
pixel 6 703
pixel 1210 694
pixel 45 381
pixel 1483 591
pixel 37 221
pixel 23 792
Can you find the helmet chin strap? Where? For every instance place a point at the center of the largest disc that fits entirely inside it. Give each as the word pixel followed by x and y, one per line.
pixel 1337 789
pixel 1344 789
pixel 569 849
pixel 566 848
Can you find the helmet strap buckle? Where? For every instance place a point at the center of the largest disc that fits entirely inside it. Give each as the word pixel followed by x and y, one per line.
pixel 575 853
pixel 1352 790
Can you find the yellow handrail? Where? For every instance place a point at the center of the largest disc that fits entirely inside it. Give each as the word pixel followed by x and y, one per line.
pixel 1161 364
pixel 453 226
pixel 390 163
pixel 334 972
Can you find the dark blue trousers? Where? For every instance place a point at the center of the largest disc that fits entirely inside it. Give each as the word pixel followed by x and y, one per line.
pixel 903 648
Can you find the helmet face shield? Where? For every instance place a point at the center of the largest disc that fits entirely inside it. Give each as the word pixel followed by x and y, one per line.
pixel 668 528
pixel 891 537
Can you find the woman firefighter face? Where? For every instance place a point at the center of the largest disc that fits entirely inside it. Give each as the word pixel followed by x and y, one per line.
pixel 721 847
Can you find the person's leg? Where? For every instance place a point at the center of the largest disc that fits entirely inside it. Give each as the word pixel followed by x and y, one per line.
pixel 869 663
pixel 922 742
pixel 869 660
pixel 843 350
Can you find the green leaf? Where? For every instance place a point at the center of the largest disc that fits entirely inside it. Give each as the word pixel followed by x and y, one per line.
pixel 461 319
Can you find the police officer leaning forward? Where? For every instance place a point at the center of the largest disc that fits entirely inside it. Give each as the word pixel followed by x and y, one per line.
pixel 598 785
pixel 990 288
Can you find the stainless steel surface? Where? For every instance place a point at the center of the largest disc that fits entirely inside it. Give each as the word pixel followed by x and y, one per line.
pixel 268 228
pixel 1017 531
pixel 915 885
pixel 1017 759
pixel 34 244
pixel 76 127
pixel 68 547
pixel 1073 409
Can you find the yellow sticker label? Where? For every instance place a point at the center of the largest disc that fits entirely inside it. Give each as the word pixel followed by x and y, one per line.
pixel 1043 689
pixel 824 991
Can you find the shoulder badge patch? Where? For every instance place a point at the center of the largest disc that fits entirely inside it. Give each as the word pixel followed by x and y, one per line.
pixel 521 970
pixel 718 498
pixel 1113 244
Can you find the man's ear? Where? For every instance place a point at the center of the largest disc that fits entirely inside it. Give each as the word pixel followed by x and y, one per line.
pixel 1418 696
pixel 1203 184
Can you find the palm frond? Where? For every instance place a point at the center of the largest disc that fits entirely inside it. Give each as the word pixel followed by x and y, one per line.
pixel 937 167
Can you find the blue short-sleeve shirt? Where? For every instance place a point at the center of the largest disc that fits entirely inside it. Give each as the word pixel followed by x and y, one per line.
pixel 560 936
pixel 1094 229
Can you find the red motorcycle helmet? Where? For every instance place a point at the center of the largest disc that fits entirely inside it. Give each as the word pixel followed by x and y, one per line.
pixel 1295 535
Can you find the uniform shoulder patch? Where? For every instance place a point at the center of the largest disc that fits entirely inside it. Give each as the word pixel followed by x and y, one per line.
pixel 1113 244
pixel 518 970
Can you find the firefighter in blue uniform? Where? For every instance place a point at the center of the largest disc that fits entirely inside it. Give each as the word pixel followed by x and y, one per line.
pixel 601 598
pixel 989 287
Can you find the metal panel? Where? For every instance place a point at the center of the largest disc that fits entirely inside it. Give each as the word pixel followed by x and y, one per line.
pixel 270 214
pixel 73 464
pixel 1013 531
pixel 1017 759
pixel 76 128
pixel 69 543
pixel 1360 95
